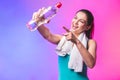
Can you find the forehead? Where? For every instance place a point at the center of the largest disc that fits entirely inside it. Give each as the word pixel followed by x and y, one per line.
pixel 81 15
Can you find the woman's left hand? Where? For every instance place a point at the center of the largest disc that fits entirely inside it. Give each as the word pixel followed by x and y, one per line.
pixel 70 36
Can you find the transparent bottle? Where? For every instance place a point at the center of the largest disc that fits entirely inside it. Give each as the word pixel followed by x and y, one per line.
pixel 48 13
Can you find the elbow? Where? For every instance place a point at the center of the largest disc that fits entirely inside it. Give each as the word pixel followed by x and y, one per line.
pixel 91 65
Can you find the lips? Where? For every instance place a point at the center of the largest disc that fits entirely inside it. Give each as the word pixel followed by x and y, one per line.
pixel 74 27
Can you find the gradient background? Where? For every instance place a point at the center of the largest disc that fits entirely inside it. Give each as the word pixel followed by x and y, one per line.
pixel 25 55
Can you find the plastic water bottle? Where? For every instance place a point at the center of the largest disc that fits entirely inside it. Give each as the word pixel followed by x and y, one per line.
pixel 49 13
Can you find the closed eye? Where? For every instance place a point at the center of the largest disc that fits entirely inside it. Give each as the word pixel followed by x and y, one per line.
pixel 82 21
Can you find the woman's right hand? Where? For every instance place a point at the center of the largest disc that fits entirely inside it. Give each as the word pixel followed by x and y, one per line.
pixel 38 15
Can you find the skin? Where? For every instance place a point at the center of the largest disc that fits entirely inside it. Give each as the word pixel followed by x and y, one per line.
pixel 78 25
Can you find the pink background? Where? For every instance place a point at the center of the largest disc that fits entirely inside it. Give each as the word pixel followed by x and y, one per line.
pixel 25 55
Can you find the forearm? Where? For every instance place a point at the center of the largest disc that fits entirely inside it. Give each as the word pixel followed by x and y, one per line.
pixel 44 31
pixel 87 57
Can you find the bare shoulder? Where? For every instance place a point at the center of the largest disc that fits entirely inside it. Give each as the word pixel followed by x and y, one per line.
pixel 92 47
pixel 92 42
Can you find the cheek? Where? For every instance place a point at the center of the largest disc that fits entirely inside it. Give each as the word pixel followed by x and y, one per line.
pixel 72 24
pixel 81 28
pixel 72 21
pixel 81 24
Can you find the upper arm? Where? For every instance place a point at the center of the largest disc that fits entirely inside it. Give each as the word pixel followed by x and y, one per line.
pixel 92 46
pixel 54 38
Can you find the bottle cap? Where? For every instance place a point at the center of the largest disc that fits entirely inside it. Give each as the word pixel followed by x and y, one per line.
pixel 59 4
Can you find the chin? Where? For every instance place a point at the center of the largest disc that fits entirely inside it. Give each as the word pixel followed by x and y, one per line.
pixel 74 29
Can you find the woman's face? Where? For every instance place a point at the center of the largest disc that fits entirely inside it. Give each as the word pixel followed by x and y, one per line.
pixel 79 23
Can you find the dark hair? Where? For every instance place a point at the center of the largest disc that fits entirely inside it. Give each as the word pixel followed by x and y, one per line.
pixel 90 22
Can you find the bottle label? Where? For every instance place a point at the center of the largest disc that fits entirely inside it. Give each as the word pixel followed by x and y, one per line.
pixel 51 11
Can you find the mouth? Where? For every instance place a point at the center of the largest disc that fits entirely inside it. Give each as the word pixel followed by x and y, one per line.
pixel 74 27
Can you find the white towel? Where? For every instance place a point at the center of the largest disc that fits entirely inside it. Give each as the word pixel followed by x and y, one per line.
pixel 67 47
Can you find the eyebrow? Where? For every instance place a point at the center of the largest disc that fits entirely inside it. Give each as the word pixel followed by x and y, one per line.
pixel 80 19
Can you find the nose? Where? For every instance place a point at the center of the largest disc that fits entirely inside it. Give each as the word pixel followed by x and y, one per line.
pixel 75 22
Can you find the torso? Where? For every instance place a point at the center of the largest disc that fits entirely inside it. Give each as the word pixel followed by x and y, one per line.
pixel 68 74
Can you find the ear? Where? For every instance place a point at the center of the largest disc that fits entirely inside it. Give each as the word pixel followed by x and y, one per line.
pixel 88 27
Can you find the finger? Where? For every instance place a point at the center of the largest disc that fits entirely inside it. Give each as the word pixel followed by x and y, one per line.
pixel 65 34
pixel 38 13
pixel 67 30
pixel 41 12
pixel 34 15
pixel 48 21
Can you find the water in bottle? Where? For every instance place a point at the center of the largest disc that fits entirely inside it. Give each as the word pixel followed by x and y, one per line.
pixel 48 13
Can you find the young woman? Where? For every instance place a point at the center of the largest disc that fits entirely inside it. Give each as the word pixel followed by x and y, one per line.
pixel 76 48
